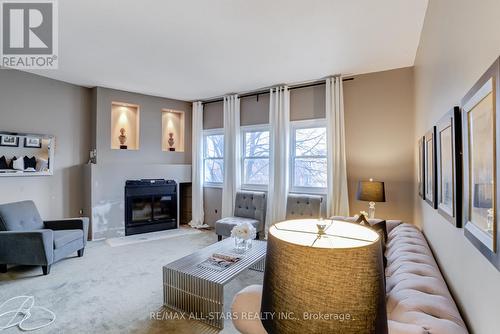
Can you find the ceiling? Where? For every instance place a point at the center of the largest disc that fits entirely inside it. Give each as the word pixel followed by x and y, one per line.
pixel 196 49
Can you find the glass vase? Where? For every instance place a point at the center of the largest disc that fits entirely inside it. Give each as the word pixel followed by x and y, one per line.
pixel 242 245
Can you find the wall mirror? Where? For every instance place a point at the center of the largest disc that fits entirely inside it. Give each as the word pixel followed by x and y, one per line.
pixel 430 167
pixel 480 118
pixel 449 166
pixel 23 154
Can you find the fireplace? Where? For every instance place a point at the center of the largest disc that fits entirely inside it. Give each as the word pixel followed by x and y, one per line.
pixel 150 205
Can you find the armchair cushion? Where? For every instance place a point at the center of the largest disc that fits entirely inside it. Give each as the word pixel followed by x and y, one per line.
pixel 250 205
pixel 225 225
pixel 303 206
pixel 81 223
pixel 27 247
pixel 64 237
pixel 20 216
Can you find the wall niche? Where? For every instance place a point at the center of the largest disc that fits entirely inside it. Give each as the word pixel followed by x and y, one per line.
pixel 124 126
pixel 172 130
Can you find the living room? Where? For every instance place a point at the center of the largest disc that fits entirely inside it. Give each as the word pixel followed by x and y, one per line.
pixel 236 167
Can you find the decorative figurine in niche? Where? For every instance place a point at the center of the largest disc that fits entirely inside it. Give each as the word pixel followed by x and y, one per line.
pixel 171 141
pixel 123 139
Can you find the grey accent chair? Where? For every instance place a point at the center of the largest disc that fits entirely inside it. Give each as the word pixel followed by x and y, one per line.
pixel 250 207
pixel 26 239
pixel 299 206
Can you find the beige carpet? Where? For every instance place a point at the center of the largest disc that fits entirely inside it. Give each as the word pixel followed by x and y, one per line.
pixel 114 289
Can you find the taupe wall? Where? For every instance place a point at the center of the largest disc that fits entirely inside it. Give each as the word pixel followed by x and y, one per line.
pixel 379 115
pixel 379 118
pixel 150 151
pixel 33 104
pixel 460 40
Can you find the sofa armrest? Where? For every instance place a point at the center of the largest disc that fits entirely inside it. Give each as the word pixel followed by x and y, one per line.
pixel 81 223
pixel 27 247
pixel 245 307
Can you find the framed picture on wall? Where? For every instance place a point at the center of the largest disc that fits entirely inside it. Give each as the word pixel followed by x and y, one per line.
pixel 33 142
pixel 420 176
pixel 481 146
pixel 9 140
pixel 449 167
pixel 430 167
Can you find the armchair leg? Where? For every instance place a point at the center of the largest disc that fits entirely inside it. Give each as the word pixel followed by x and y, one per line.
pixel 80 252
pixel 219 237
pixel 257 236
pixel 46 269
pixel 3 268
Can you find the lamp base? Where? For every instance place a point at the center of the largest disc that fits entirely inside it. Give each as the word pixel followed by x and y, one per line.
pixel 371 210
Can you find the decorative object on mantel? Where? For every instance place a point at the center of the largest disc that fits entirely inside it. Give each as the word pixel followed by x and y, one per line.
pixel 33 142
pixel 481 146
pixel 371 191
pixel 93 156
pixel 9 140
pixel 123 139
pixel 243 235
pixel 336 271
pixel 171 142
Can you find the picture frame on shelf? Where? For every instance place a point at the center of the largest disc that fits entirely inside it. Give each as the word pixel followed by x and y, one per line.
pixel 481 147
pixel 430 188
pixel 9 140
pixel 449 166
pixel 420 175
pixel 32 142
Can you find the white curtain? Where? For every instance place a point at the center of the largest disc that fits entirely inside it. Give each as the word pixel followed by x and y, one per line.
pixel 232 155
pixel 279 119
pixel 338 199
pixel 197 166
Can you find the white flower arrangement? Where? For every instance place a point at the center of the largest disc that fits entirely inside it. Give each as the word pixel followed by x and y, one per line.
pixel 244 231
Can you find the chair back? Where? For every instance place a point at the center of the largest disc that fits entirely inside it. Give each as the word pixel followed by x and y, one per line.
pixel 20 216
pixel 299 206
pixel 251 205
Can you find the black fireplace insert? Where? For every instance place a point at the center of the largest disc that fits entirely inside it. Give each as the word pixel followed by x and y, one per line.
pixel 150 205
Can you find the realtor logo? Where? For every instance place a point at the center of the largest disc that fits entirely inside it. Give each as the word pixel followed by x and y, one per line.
pixel 29 34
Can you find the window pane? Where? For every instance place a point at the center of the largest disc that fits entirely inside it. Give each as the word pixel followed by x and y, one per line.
pixel 310 142
pixel 257 144
pixel 214 170
pixel 214 146
pixel 310 172
pixel 256 171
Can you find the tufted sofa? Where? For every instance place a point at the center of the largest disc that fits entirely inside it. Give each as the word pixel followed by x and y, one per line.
pixel 300 206
pixel 418 300
pixel 250 207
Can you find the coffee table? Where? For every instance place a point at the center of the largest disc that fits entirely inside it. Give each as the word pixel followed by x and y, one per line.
pixel 199 291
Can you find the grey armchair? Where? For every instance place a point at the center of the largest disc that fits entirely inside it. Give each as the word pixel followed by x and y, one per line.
pixel 250 207
pixel 300 206
pixel 26 239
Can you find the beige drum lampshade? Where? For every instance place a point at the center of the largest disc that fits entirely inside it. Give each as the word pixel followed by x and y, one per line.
pixel 328 280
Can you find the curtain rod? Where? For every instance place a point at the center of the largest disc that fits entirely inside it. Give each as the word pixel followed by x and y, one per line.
pixel 266 91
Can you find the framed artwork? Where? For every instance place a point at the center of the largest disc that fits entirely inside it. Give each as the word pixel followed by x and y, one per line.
pixel 33 142
pixel 481 145
pixel 9 140
pixel 449 167
pixel 420 176
pixel 430 167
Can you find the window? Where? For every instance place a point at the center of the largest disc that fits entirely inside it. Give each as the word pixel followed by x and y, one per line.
pixel 213 157
pixel 255 157
pixel 308 156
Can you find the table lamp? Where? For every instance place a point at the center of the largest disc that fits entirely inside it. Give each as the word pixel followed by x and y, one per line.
pixel 323 277
pixel 371 191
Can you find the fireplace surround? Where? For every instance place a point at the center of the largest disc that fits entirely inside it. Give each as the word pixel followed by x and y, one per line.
pixel 150 205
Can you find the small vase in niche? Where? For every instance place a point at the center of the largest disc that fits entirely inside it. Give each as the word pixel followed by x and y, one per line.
pixel 123 139
pixel 171 141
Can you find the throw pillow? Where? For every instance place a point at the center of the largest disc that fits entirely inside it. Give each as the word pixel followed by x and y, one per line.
pixel 17 163
pixel 3 163
pixel 29 162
